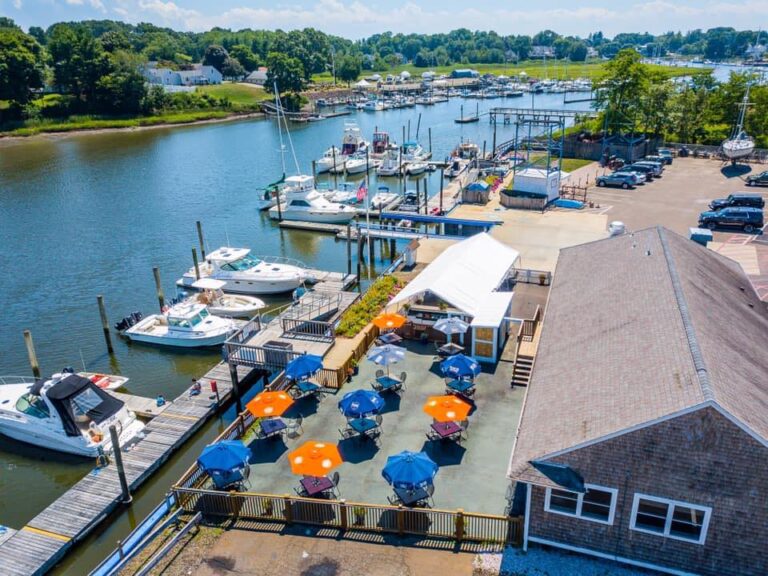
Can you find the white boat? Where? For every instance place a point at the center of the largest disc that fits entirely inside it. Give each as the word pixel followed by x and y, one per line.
pixel 740 144
pixel 248 274
pixel 416 168
pixel 229 305
pixel 382 198
pixel 332 158
pixel 303 202
pixel 105 381
pixel 390 165
pixel 67 413
pixel 184 325
pixel 345 194
pixel 360 164
pixel 352 142
pixel 413 152
pixel 373 106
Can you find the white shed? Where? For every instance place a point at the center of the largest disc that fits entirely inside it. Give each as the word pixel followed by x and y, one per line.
pixel 540 182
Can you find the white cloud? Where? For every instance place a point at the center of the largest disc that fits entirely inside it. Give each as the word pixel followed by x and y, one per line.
pixel 169 12
pixel 17 4
pixel 75 2
pixel 95 4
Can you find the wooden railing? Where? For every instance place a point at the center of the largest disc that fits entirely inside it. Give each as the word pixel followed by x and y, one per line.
pixel 528 327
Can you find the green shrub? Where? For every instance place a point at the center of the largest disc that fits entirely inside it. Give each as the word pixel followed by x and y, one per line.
pixel 364 310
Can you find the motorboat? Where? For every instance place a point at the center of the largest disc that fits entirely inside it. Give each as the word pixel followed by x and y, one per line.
pixel 67 413
pixel 380 144
pixel 211 293
pixel 185 325
pixel 303 202
pixel 332 158
pixel 358 165
pixel 352 141
pixel 390 165
pixel 245 273
pixel 373 106
pixel 467 151
pixel 345 194
pixel 416 168
pixel 105 381
pixel 740 144
pixel 413 152
pixel 382 198
pixel 410 201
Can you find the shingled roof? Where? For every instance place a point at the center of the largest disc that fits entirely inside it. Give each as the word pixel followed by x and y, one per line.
pixel 641 327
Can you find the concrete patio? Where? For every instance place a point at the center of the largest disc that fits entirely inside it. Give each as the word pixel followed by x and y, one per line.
pixel 471 475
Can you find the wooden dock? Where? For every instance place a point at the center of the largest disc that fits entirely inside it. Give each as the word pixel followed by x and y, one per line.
pixel 39 545
pixel 141 405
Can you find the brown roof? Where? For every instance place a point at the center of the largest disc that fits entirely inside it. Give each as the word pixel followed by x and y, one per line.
pixel 639 327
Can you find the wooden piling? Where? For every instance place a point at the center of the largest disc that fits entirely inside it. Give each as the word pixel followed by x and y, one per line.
pixel 235 387
pixel 276 192
pixel 429 132
pixel 333 170
pixel 314 169
pixel 196 263
pixel 349 248
pixel 442 179
pixel 201 239
pixel 116 452
pixel 159 287
pixel 105 324
pixel 31 353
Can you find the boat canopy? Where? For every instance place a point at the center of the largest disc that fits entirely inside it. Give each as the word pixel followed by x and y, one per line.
pixel 75 395
pixel 227 254
pixel 208 284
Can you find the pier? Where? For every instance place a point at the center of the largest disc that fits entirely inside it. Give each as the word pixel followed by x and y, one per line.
pixel 47 537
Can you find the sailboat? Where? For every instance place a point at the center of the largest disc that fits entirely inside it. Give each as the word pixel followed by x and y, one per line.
pixel 740 144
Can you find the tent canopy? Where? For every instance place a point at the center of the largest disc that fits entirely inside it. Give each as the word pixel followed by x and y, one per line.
pixel 362 84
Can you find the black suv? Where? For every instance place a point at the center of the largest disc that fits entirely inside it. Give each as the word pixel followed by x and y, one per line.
pixel 649 171
pixel 747 200
pixel 748 219
pixel 758 179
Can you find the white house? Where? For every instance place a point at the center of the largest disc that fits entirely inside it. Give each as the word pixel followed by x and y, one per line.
pixel 198 76
pixel 466 281
pixel 258 76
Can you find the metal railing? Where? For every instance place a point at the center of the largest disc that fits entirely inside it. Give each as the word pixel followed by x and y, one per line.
pixel 527 276
pixel 312 329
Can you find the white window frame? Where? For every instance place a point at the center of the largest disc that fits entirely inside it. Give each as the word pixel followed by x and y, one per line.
pixel 670 513
pixel 611 513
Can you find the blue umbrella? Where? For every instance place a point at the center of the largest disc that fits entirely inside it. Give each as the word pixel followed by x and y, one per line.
pixel 224 456
pixel 409 470
pixel 460 366
pixel 303 366
pixel 386 355
pixel 359 403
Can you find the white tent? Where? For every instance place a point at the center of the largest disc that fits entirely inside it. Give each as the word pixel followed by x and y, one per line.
pixel 405 74
pixel 362 84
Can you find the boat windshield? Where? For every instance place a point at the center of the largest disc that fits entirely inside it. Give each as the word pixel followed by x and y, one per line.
pixel 245 263
pixel 85 401
pixel 32 405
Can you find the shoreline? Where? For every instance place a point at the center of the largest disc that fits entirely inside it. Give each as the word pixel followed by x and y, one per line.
pixel 10 138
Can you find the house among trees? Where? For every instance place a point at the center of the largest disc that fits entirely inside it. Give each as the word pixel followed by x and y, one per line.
pixel 258 76
pixel 541 52
pixel 199 75
pixel 644 434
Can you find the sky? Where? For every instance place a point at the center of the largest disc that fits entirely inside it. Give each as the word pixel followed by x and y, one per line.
pixel 356 19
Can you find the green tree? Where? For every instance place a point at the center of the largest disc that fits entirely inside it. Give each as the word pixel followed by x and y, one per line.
pixel 21 66
pixel 245 56
pixel 577 52
pixel 620 90
pixel 285 72
pixel 231 68
pixel 349 68
pixel 38 34
pixel 123 90
pixel 78 60
pixel 215 56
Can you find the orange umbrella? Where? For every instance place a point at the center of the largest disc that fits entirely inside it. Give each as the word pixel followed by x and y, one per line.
pixel 447 408
pixel 268 403
pixel 315 458
pixel 389 321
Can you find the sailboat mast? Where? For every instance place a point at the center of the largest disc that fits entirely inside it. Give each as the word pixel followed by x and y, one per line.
pixel 280 129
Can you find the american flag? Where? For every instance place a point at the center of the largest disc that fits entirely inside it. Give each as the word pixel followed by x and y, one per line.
pixel 362 191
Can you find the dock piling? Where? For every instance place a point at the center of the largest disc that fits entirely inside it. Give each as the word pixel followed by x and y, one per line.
pixel 31 353
pixel 429 132
pixel 159 287
pixel 126 493
pixel 442 179
pixel 235 387
pixel 349 248
pixel 200 238
pixel 197 265
pixel 333 170
pixel 314 169
pixel 105 323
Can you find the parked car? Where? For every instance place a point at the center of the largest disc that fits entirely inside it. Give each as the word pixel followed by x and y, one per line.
pixel 655 158
pixel 647 170
pixel 749 200
pixel 658 167
pixel 618 180
pixel 666 153
pixel 758 179
pixel 748 219
pixel 640 176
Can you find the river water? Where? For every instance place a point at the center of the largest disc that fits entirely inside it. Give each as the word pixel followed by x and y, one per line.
pixel 92 214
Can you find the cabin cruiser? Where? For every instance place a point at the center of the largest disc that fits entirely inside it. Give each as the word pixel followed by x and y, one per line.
pixel 353 142
pixel 67 413
pixel 184 325
pixel 410 201
pixel 332 158
pixel 382 198
pixel 303 202
pixel 248 274
pixel 390 165
pixel 413 152
pixel 373 106
pixel 228 305
pixel 416 168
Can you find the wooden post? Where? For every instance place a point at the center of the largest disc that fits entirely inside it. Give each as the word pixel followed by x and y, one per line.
pixel 349 248
pixel 400 513
pixel 314 169
pixel 359 250
pixel 159 287
pixel 235 387
pixel 276 192
pixel 333 170
pixel 409 130
pixel 105 324
pixel 200 238
pixel 493 150
pixel 343 514
pixel 483 151
pixel 459 525
pixel 126 493
pixel 195 262
pixel 442 179
pixel 31 353
pixel 429 132
pixel 288 506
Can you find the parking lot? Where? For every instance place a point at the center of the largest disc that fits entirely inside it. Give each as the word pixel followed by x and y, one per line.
pixel 677 198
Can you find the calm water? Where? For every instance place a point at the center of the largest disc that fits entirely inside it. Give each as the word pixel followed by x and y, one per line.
pixel 92 214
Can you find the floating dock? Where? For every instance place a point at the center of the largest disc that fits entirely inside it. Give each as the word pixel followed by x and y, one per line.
pixel 141 405
pixel 39 545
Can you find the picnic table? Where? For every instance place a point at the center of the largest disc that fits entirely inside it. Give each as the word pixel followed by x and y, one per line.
pixel 450 349
pixel 306 388
pixel 272 426
pixel 412 496
pixel 447 430
pixel 316 485
pixel 461 386
pixel 390 338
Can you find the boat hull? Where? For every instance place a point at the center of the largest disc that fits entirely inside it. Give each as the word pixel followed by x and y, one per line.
pixel 313 216
pixel 737 151
pixel 202 342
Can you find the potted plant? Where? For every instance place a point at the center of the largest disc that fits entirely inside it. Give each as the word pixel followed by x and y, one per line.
pixel 359 514
pixel 353 369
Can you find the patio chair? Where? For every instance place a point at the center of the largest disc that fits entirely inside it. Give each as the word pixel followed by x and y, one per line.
pixel 379 373
pixel 430 491
pixel 464 427
pixel 347 433
pixel 394 500
pixel 335 481
pixel 294 428
pixel 376 386
pixel 378 419
pixel 300 491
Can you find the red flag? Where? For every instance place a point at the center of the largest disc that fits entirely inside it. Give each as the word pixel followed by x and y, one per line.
pixel 362 192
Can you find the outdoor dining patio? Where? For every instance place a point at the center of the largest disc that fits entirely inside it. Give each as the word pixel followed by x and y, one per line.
pixel 466 438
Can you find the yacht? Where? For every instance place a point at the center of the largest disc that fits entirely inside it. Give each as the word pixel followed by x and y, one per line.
pixel 739 145
pixel 184 325
pixel 211 293
pixel 67 413
pixel 248 274
pixel 382 198
pixel 413 152
pixel 332 158
pixel 303 202
pixel 390 165
pixel 373 106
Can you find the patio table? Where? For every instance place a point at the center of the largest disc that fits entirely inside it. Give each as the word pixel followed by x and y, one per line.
pixel 450 349
pixel 388 382
pixel 446 429
pixel 410 497
pixel 461 386
pixel 362 425
pixel 315 485
pixel 272 426
pixel 390 338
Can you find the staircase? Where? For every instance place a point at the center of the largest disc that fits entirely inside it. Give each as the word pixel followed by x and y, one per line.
pixel 521 373
pixel 527 344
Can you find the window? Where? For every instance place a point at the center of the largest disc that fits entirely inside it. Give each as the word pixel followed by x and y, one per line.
pixel 669 518
pixel 597 504
pixel 32 405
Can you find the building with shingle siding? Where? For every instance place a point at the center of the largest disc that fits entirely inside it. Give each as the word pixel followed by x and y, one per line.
pixel 644 433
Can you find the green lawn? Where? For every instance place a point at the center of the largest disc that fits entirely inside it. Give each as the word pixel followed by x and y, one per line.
pixel 571 164
pixel 243 95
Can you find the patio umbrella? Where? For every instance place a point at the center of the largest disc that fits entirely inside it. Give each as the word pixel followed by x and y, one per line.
pixel 450 326
pixel 447 408
pixel 314 458
pixel 386 355
pixel 269 403
pixel 460 366
pixel 303 366
pixel 359 403
pixel 389 321
pixel 409 470
pixel 224 456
